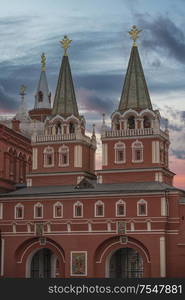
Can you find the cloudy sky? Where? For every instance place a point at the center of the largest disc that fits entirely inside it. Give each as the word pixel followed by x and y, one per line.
pixel 98 56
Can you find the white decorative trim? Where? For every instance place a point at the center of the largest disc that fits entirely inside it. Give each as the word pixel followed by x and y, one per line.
pixel 163 207
pixel 119 146
pixel 137 145
pixel 97 203
pixel 120 202
pixel 142 201
pixel 35 158
pixel 38 204
pixel 17 206
pixel 78 203
pixel 162 244
pixel 78 156
pixel 57 204
pixel 63 150
pixel 155 152
pixel 2 256
pixel 104 154
pixel 48 151
pixel 1 211
pixel 71 262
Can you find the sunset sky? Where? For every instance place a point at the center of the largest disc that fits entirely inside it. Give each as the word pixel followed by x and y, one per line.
pixel 98 56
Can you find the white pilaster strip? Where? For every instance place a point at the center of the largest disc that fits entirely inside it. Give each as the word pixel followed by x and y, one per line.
pixel 162 256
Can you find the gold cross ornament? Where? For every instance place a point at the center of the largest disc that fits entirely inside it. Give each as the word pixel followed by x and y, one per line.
pixel 134 34
pixel 43 62
pixel 65 44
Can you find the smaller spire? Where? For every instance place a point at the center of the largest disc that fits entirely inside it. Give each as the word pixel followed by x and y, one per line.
pixel 134 34
pixel 43 62
pixel 65 44
pixel 22 113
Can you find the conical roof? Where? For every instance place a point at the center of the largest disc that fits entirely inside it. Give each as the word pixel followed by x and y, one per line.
pixel 65 100
pixel 135 93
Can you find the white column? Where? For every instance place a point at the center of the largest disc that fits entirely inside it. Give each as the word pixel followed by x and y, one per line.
pixel 104 155
pixel 155 152
pixel 78 156
pixel 35 158
pixel 2 256
pixel 162 257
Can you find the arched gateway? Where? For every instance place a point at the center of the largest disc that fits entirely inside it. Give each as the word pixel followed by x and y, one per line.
pixel 42 264
pixel 126 263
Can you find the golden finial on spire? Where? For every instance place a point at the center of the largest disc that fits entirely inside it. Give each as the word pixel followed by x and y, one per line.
pixel 43 62
pixel 134 34
pixel 22 90
pixel 65 44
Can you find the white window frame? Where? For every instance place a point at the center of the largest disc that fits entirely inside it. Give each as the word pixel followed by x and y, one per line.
pixel 63 150
pixel 19 205
pixel 78 203
pixel 97 203
pixel 48 150
pixel 120 146
pixel 38 204
pixel 1 210
pixel 120 202
pixel 142 201
pixel 54 211
pixel 136 147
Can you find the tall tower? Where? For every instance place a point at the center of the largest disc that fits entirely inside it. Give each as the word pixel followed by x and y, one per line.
pixel 63 154
pixel 42 107
pixel 135 149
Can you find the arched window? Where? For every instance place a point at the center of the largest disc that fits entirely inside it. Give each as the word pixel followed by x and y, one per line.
pixel 137 152
pixel 63 156
pixel 146 122
pixel 99 209
pixel 40 96
pixel 58 210
pixel 19 211
pixel 78 210
pixel 38 211
pixel 120 152
pixel 120 208
pixel 48 157
pixel 117 124
pixel 131 122
pixel 71 127
pixel 141 208
pixel 58 128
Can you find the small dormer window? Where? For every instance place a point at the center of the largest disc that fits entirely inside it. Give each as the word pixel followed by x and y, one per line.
pixel 131 122
pixel 40 96
pixel 146 122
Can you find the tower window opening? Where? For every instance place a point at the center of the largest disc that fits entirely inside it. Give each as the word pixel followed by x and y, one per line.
pixel 137 152
pixel 99 209
pixel 38 211
pixel 131 122
pixel 71 127
pixel 141 208
pixel 19 212
pixel 63 156
pixel 40 96
pixel 146 122
pixel 48 157
pixel 119 152
pixel 117 124
pixel 78 210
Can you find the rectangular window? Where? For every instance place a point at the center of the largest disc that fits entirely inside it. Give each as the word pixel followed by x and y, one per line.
pixel 120 156
pixel 19 213
pixel 99 210
pixel 38 212
pixel 49 159
pixel 142 209
pixel 58 211
pixel 64 159
pixel 121 210
pixel 78 211
pixel 138 154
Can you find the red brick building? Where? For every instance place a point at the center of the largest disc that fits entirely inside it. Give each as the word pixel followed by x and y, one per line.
pixel 126 220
